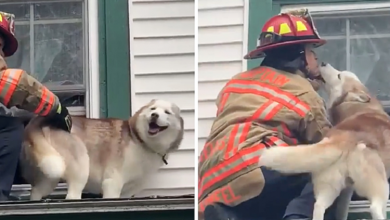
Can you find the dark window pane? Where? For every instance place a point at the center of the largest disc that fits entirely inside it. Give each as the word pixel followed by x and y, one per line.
pixel 21 11
pixel 59 53
pixel 21 58
pixel 370 25
pixel 333 52
pixel 370 60
pixel 330 26
pixel 60 10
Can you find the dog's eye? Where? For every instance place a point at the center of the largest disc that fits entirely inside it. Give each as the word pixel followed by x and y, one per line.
pixel 167 112
pixel 153 109
pixel 339 76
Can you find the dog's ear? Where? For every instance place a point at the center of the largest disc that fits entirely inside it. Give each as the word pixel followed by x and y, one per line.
pixel 181 123
pixel 359 96
pixel 176 144
pixel 176 109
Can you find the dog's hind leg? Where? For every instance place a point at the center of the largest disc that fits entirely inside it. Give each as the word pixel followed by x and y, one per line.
pixel 372 184
pixel 327 186
pixel 77 176
pixel 370 180
pixel 43 188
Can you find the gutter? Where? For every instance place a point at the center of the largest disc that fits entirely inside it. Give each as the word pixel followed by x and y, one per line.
pixel 55 205
pixel 94 206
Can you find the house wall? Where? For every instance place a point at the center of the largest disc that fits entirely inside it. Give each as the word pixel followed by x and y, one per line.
pixel 162 67
pixel 222 43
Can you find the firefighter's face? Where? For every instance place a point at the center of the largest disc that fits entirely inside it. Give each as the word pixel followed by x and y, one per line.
pixel 312 63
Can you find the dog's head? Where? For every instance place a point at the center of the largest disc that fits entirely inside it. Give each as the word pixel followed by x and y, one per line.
pixel 159 124
pixel 344 87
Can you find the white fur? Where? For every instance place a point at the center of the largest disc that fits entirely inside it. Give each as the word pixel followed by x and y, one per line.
pixel 118 177
pixel 289 160
pixel 334 84
pixel 52 166
pixel 160 142
pixel 330 164
pixel 141 162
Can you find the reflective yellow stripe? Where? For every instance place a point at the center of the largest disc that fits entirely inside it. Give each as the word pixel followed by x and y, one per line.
pixel 301 26
pixel 284 29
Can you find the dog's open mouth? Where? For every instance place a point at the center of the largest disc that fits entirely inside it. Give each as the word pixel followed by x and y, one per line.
pixel 319 78
pixel 154 128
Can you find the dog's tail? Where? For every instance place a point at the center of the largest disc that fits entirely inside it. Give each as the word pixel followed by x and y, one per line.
pixel 301 158
pixel 50 162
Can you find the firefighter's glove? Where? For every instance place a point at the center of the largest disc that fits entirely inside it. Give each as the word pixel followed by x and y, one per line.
pixel 61 119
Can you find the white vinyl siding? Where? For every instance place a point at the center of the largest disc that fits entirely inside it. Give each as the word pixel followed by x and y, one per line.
pixel 162 67
pixel 222 43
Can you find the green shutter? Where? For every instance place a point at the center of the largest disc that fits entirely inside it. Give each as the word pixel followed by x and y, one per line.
pixel 114 58
pixel 259 12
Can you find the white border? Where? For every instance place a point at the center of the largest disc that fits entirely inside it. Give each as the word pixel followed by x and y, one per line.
pixel 132 75
pixel 92 88
pixel 245 36
pixel 337 7
pixel 196 136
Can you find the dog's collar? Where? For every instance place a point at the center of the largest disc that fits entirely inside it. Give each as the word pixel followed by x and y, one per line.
pixel 139 139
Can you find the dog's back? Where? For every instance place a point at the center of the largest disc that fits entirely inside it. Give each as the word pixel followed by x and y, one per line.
pixel 49 155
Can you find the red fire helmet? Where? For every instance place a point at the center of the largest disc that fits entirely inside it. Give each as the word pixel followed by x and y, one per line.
pixel 282 30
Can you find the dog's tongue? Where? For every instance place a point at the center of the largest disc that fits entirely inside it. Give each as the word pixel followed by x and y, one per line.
pixel 154 130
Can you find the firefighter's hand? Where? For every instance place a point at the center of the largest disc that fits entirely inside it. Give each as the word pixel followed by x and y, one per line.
pixel 61 119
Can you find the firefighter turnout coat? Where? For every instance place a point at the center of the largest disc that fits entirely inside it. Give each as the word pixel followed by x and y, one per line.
pixel 259 108
pixel 19 89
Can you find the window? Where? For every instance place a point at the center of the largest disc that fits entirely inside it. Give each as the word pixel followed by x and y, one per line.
pixel 52 45
pixel 359 41
pixel 53 49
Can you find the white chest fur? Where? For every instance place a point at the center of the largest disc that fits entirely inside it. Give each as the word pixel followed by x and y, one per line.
pixel 139 164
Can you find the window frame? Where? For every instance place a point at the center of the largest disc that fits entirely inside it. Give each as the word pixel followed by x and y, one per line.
pixel 90 86
pixel 327 9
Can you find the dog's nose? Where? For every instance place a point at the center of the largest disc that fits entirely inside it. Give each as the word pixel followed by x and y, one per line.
pixel 154 115
pixel 323 64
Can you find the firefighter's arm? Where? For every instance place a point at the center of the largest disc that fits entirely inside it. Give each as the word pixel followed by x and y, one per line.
pixel 314 126
pixel 19 89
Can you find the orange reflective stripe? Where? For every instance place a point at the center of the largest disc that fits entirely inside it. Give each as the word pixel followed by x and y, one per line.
pixel 245 157
pixel 282 128
pixel 8 82
pixel 275 141
pixel 269 92
pixel 50 102
pixel 237 136
pixel 48 99
pixel 242 159
pixel 267 111
pixel 288 133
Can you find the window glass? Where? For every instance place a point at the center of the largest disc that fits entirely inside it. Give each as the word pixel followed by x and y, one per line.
pixel 51 41
pixel 359 43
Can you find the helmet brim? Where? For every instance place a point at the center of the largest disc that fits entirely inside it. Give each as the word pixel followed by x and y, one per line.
pixel 259 51
pixel 10 42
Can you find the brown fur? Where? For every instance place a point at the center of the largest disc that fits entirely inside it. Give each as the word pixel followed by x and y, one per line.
pixel 355 151
pixel 96 149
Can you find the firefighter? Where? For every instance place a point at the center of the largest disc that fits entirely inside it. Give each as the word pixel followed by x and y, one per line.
pixel 273 104
pixel 19 89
